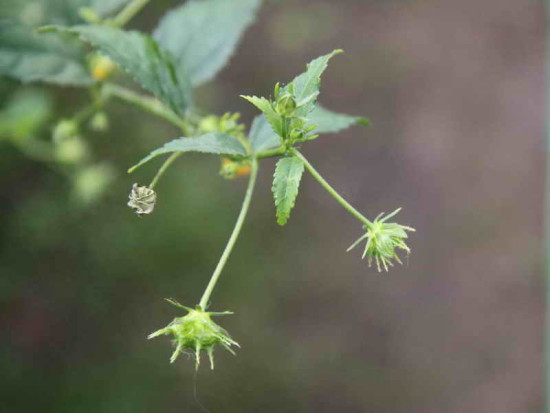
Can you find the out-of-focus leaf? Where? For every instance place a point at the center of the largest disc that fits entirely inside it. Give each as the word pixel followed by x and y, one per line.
pixel 26 56
pixel 214 143
pixel 142 57
pixel 203 34
pixel 24 114
pixel 36 13
pixel 262 136
pixel 329 122
pixel 286 183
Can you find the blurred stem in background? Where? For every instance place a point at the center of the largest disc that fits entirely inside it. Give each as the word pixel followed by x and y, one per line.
pixel 128 12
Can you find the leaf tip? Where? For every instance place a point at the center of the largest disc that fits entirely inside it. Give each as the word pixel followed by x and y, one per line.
pixel 363 121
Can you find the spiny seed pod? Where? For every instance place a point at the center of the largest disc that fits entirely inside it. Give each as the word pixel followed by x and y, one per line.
pixel 142 199
pixel 382 241
pixel 195 332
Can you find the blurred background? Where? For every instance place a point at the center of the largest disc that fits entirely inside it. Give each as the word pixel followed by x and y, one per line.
pixel 455 93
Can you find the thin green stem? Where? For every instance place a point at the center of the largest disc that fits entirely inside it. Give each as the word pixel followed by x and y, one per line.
pixel 128 12
pixel 146 103
pixel 271 153
pixel 163 168
pixel 234 235
pixel 330 189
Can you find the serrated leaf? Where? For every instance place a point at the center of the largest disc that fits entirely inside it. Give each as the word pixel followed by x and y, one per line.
pixel 215 143
pixel 28 57
pixel 202 34
pixel 330 122
pixel 286 183
pixel 262 137
pixel 141 56
pixel 269 112
pixel 306 85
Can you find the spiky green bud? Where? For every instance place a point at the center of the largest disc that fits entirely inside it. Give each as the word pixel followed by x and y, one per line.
pixel 196 332
pixel 383 239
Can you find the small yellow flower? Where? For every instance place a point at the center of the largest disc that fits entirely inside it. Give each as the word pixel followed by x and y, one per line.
pixel 101 67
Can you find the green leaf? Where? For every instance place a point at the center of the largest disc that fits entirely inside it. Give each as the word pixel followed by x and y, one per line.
pixel 262 136
pixel 266 106
pixel 25 113
pixel 202 34
pixel 34 13
pixel 215 143
pixel 141 56
pixel 28 57
pixel 330 122
pixel 305 87
pixel 286 183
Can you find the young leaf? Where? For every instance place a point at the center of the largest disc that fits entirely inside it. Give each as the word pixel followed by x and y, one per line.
pixel 286 182
pixel 306 86
pixel 202 35
pixel 268 110
pixel 329 122
pixel 141 56
pixel 28 57
pixel 262 136
pixel 215 143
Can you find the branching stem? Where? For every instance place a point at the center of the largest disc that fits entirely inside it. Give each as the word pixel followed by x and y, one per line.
pixel 234 235
pixel 330 189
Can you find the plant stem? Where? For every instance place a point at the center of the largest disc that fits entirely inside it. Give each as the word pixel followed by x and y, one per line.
pixel 128 12
pixel 234 235
pixel 146 103
pixel 330 189
pixel 271 153
pixel 163 168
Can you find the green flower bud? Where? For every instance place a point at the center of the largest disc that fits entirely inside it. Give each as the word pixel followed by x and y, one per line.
pixel 286 105
pixel 71 151
pixel 209 124
pixel 196 332
pixel 383 239
pixel 65 129
pixel 143 199
pixel 89 15
pixel 99 122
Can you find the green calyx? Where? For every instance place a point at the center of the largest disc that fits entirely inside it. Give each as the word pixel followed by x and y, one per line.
pixel 196 332
pixel 383 240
